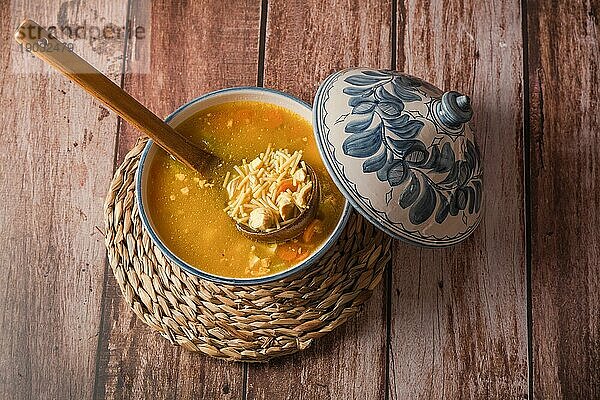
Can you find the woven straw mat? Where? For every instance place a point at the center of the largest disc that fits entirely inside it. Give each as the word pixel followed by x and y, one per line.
pixel 241 323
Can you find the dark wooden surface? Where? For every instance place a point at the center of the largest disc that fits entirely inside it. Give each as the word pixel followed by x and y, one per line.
pixel 564 134
pixel 512 313
pixel 56 162
pixel 458 316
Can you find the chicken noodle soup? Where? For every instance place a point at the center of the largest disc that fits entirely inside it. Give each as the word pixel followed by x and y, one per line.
pixel 187 212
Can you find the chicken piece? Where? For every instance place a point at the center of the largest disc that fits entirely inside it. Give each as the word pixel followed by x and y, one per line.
pixel 286 206
pixel 300 175
pixel 252 260
pixel 302 196
pixel 258 266
pixel 264 266
pixel 261 219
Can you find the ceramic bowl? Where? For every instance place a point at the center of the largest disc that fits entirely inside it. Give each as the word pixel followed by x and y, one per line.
pixel 184 112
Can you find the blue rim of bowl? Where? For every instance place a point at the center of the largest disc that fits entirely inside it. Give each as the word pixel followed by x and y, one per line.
pixel 216 278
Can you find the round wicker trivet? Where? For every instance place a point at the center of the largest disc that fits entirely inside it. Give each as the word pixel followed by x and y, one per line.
pixel 241 323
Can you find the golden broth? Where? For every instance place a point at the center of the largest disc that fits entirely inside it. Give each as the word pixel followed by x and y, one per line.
pixel 188 214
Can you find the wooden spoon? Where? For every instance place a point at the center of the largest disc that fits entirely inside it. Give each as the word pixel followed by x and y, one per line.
pixel 58 55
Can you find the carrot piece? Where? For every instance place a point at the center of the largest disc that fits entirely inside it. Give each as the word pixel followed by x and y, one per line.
pixel 286 252
pixel 303 255
pixel 311 230
pixel 285 185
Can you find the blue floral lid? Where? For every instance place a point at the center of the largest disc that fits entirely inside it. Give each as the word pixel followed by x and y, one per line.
pixel 402 152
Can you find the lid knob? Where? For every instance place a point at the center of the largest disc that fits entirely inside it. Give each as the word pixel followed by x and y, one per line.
pixel 454 109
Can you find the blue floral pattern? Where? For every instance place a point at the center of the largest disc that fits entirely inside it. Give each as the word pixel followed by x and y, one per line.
pixel 436 182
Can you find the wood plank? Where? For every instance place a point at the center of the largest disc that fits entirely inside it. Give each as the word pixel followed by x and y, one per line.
pixel 212 46
pixel 459 314
pixel 564 95
pixel 196 47
pixel 55 165
pixel 305 42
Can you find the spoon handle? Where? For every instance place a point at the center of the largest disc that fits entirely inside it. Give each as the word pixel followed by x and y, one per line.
pixel 58 55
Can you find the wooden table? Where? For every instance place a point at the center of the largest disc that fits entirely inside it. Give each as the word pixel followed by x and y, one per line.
pixel 512 313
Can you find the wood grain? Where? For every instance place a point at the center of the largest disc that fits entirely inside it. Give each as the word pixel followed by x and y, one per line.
pixel 98 85
pixel 564 93
pixel 305 42
pixel 207 46
pixel 459 314
pixel 55 165
pixel 195 49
